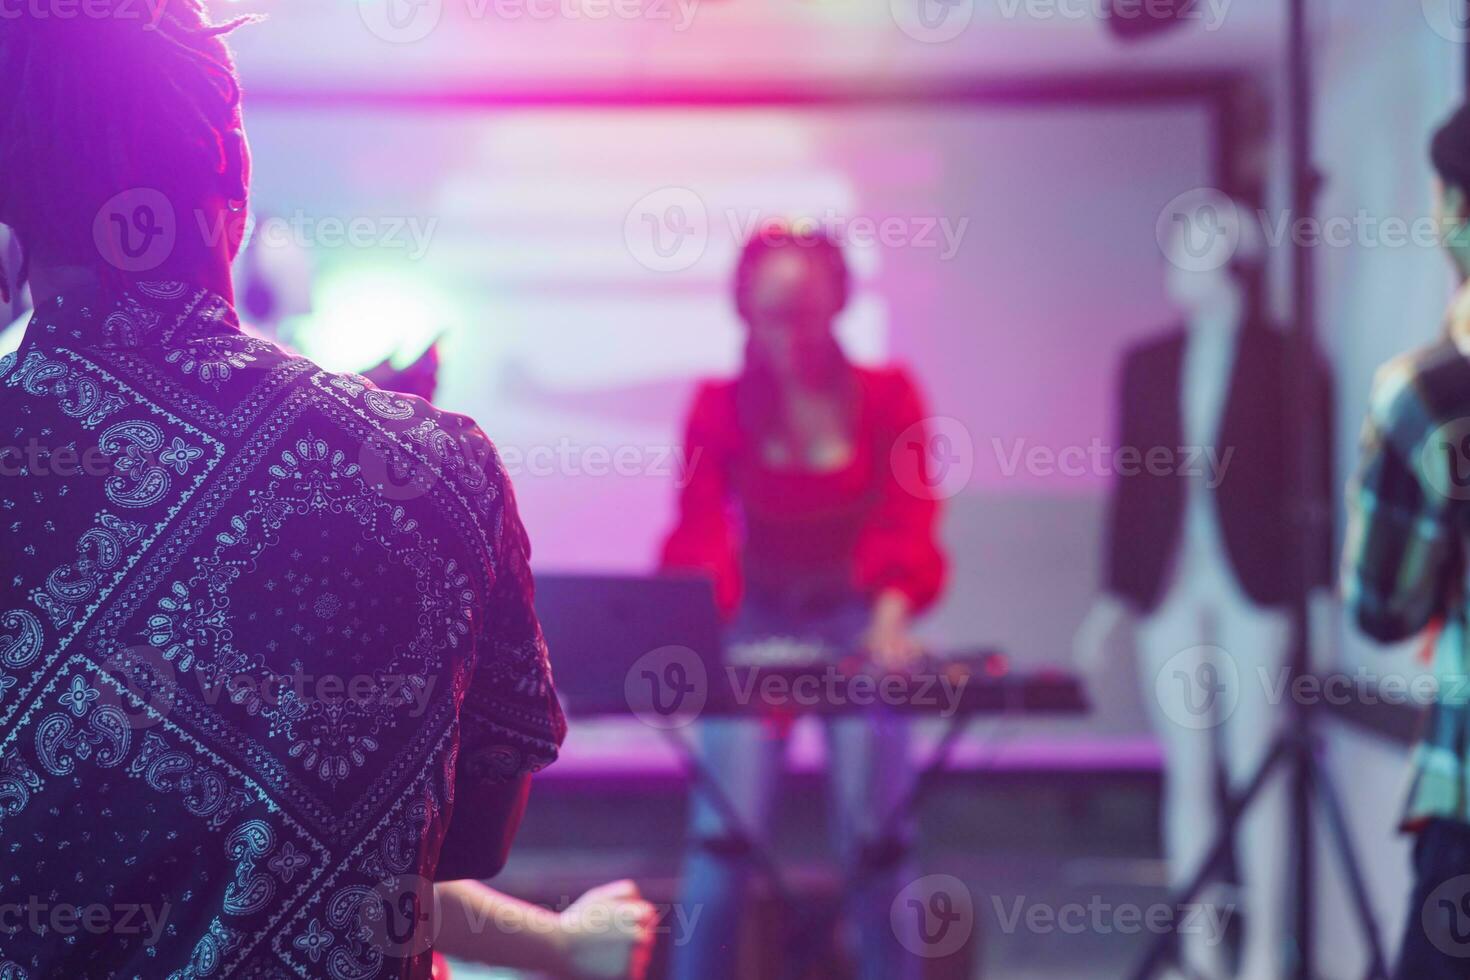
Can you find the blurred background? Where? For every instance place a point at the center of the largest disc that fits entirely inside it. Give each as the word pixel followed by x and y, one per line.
pixel 553 195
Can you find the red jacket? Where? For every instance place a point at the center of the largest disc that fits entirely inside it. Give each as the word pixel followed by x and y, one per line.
pixel 875 517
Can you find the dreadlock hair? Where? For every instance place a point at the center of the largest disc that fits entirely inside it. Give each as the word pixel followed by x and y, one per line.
pixel 758 396
pixel 110 99
pixel 1449 151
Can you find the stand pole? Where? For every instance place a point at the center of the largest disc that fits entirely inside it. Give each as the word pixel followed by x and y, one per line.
pixel 1297 749
pixel 1302 341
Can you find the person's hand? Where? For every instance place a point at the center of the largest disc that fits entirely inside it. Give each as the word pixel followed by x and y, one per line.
pixel 607 934
pixel 1108 623
pixel 889 640
pixel 1322 619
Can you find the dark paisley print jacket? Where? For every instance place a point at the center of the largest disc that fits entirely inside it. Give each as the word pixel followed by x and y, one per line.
pixel 261 626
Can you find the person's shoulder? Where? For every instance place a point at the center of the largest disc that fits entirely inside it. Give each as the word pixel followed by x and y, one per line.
pixel 1160 345
pixel 1421 389
pixel 355 390
pixel 1430 362
pixel 410 450
pixel 420 421
pixel 715 390
pixel 894 377
pixel 713 407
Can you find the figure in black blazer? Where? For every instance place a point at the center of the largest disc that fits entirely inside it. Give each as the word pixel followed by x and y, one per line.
pixel 1260 486
pixel 1216 533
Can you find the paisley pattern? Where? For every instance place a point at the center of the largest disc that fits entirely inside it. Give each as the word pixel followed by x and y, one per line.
pixel 20 645
pixel 102 551
pixel 252 654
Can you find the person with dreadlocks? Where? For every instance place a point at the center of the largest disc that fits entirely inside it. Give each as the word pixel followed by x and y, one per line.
pixel 816 521
pixel 269 664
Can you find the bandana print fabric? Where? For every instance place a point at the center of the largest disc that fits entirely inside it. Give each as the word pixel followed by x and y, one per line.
pixel 260 626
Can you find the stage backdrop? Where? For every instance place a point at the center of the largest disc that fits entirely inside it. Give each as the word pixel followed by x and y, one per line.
pixel 577 265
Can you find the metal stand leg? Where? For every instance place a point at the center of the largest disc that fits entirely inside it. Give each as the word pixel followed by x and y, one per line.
pixel 761 853
pixel 1163 948
pixel 811 937
pixel 1297 752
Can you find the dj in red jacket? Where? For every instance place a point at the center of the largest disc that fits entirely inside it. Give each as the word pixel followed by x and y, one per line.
pixel 810 503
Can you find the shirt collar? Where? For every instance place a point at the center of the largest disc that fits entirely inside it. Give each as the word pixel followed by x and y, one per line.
pixel 142 314
pixel 1214 325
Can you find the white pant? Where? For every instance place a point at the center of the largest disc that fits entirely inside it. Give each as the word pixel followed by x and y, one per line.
pixel 1211 660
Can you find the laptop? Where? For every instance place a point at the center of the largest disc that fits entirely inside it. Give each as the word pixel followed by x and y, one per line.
pixel 649 646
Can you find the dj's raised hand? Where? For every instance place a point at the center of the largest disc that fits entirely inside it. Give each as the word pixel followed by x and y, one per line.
pixel 889 640
pixel 1108 624
pixel 607 934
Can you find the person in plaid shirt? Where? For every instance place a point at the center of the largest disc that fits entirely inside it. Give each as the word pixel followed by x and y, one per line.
pixel 1403 574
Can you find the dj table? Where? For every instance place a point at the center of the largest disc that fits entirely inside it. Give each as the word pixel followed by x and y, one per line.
pixel 652 648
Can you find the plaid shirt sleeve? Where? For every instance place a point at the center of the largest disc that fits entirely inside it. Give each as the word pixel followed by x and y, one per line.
pixel 1398 551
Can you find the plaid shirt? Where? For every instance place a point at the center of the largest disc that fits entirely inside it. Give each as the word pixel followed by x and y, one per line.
pixel 1409 512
